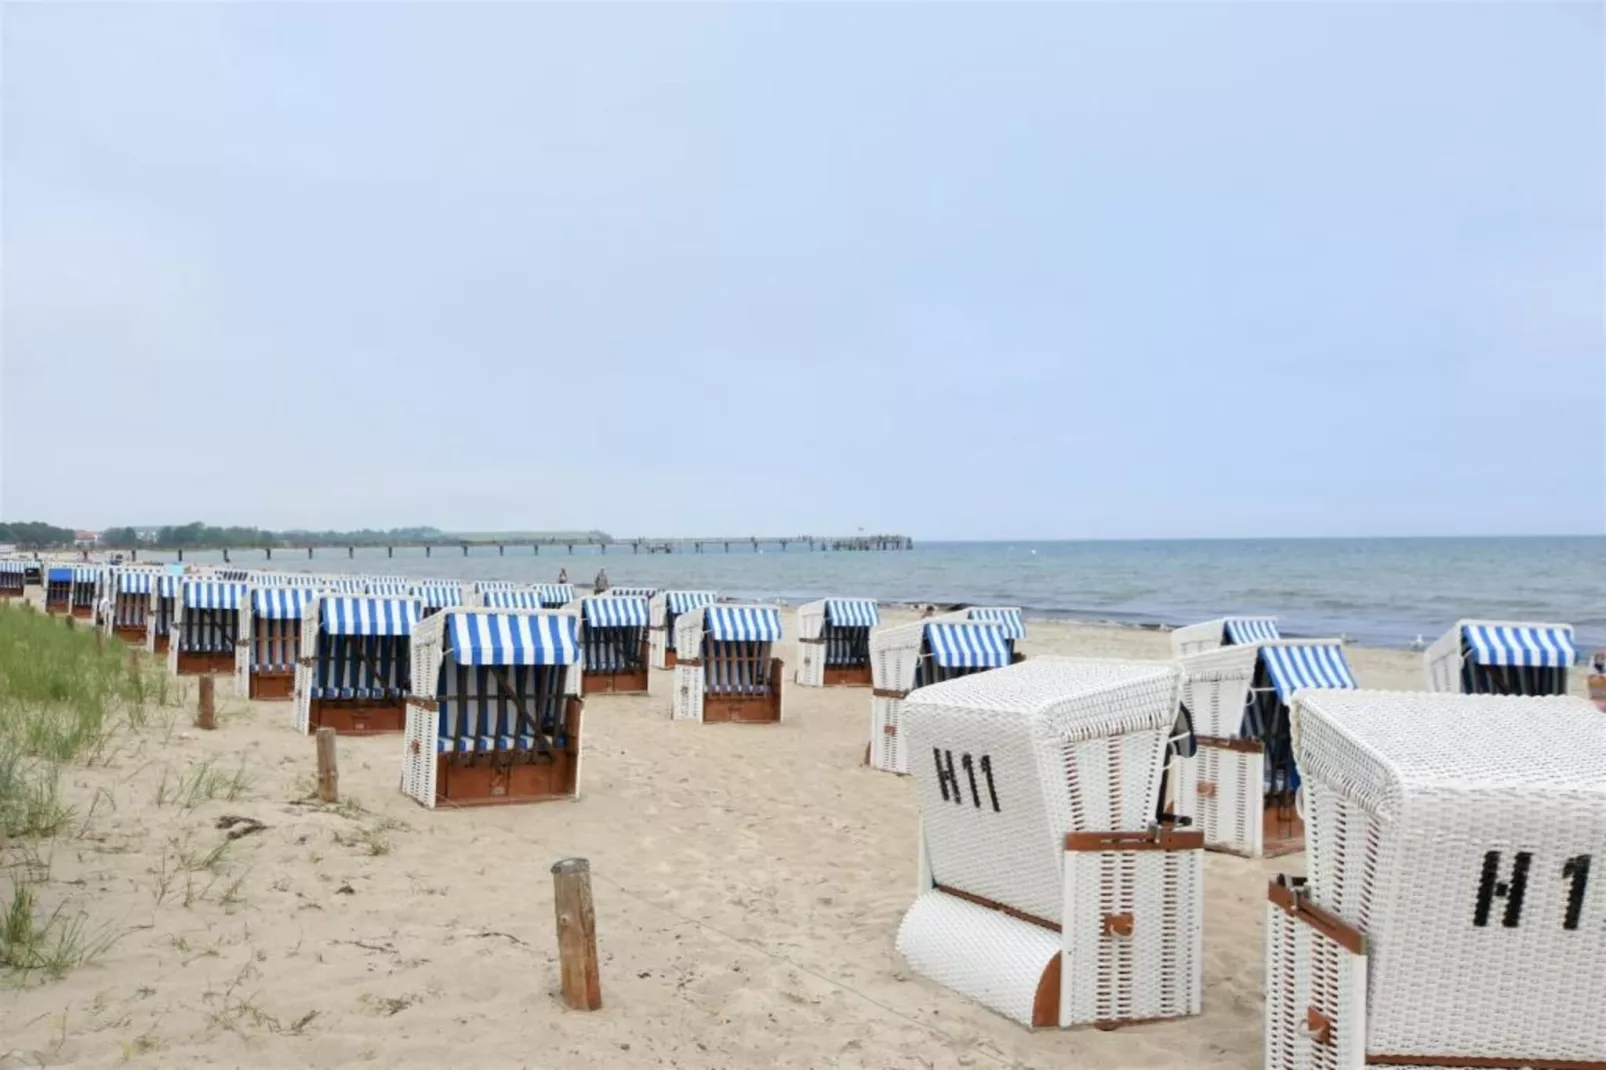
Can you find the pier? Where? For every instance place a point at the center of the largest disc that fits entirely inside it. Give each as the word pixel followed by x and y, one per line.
pixel 703 544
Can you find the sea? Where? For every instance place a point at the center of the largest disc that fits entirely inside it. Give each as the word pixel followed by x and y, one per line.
pixel 1379 592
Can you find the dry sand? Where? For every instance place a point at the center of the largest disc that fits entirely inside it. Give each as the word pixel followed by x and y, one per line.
pixel 749 881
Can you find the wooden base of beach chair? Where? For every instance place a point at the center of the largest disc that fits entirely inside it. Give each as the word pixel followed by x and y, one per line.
pixel 130 634
pixel 199 664
pixel 161 644
pixel 56 607
pixel 614 683
pixel 358 717
pixel 847 676
pixel 272 686
pixel 1282 832
pixel 500 779
pixel 669 659
pixel 763 708
pixel 83 612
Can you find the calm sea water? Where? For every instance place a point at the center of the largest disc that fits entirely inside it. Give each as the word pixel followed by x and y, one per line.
pixel 1377 591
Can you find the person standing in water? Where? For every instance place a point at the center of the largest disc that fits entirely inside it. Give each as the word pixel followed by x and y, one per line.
pixel 602 581
pixel 563 575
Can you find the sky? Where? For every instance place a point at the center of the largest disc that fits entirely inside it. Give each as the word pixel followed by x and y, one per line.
pixel 956 271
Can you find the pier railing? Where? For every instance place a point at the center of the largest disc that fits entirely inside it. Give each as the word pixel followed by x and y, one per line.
pixel 715 544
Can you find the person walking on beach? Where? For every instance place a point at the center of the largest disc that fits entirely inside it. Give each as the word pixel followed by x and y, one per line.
pixel 602 581
pixel 563 575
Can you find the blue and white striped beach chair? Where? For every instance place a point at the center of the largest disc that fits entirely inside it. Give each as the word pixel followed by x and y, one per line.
pixel 613 638
pixel 355 668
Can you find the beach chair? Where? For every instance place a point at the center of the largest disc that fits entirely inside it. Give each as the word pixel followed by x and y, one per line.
pixel 613 644
pixel 665 609
pixel 1210 778
pixel 908 656
pixel 436 595
pixel 1009 620
pixel 555 595
pixel 128 614
pixel 494 717
pixel 206 626
pixel 164 603
pixel 86 590
pixel 353 673
pixel 387 587
pixel 726 670
pixel 1448 919
pixel 632 592
pixel 1047 891
pixel 58 589
pixel 1497 657
pixel 833 636
pixel 1224 631
pixel 13 579
pixel 270 646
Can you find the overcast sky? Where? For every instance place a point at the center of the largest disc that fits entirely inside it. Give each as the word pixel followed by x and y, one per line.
pixel 957 271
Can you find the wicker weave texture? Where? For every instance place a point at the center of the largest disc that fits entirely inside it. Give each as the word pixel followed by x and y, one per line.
pixel 895 655
pixel 982 954
pixel 1307 971
pixel 1197 638
pixel 887 750
pixel 1458 832
pixel 1215 688
pixel 1156 971
pixel 1007 762
pixel 1231 815
pixel 811 663
pixel 811 619
pixel 687 703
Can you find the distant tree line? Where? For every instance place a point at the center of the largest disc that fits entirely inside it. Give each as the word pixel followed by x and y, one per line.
pixel 199 536
pixel 35 535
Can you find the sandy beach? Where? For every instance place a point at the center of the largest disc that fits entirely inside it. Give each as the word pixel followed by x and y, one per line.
pixel 749 881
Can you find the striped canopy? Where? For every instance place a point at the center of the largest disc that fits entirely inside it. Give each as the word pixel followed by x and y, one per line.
pixel 167 585
pixel 85 574
pixel 631 592
pixel 13 566
pixel 279 603
pixel 478 638
pixel 852 612
pixel 344 584
pixel 1520 644
pixel 439 595
pixel 738 624
pixel 967 644
pixel 135 582
pixel 685 601
pixel 387 589
pixel 213 594
pixel 59 575
pixel 511 598
pixel 1247 631
pixel 344 615
pixel 1008 619
pixel 612 611
pixel 1300 665
pixel 481 586
pixel 554 595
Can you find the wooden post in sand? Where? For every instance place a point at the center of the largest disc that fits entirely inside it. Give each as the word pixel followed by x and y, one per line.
pixel 206 715
pixel 328 772
pixel 577 934
pixel 100 639
pixel 71 624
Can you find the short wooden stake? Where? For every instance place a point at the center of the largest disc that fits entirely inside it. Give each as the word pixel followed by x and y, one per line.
pixel 577 934
pixel 71 623
pixel 206 716
pixel 328 771
pixel 100 639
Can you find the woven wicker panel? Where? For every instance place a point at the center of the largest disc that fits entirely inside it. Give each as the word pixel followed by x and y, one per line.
pixel 811 664
pixel 418 755
pixel 982 954
pixel 1454 831
pixel 1007 762
pixel 1306 971
pixel 895 655
pixel 688 697
pixel 1215 688
pixel 887 750
pixel 1230 816
pixel 810 619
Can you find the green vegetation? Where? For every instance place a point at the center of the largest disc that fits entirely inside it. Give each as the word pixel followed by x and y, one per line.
pixel 60 697
pixel 35 535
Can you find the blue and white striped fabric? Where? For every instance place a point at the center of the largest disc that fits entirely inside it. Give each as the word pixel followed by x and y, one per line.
pixel 1521 645
pixel 13 566
pixel 511 598
pixel 1319 665
pixel 439 595
pixel 213 594
pixel 968 644
pixel 631 592
pixel 679 602
pixel 554 595
pixel 135 582
pixel 344 585
pixel 59 575
pixel 386 589
pixel 852 612
pixel 743 624
pixel 279 603
pixel 1247 631
pixel 481 586
pixel 167 585
pixel 85 574
pixel 477 716
pixel 513 639
pixel 612 611
pixel 343 615
pixel 1008 619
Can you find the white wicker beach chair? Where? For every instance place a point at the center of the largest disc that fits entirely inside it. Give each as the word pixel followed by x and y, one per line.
pixel 833 636
pixel 613 643
pixel 205 626
pixel 1448 920
pixel 1219 788
pixel 353 673
pixel 1223 631
pixel 907 656
pixel 1501 657
pixel 725 668
pixel 1047 891
pixel 270 642
pixel 495 713
pixel 665 608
